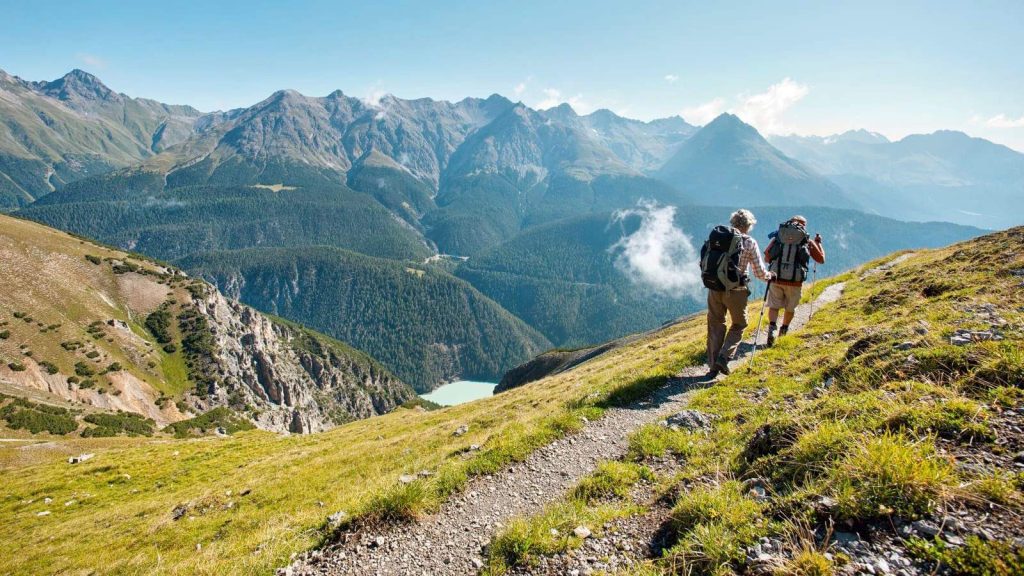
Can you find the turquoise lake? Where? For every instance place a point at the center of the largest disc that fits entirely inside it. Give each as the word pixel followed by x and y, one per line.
pixel 460 392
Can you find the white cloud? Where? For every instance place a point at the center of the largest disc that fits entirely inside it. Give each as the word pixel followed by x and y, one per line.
pixel 671 78
pixel 1004 121
pixel 91 60
pixel 553 97
pixel 658 255
pixel 701 114
pixel 519 89
pixel 765 110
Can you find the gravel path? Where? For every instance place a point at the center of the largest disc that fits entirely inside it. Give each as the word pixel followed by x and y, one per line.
pixel 450 542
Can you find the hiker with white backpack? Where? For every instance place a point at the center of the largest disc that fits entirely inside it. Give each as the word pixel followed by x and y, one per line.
pixel 788 254
pixel 724 260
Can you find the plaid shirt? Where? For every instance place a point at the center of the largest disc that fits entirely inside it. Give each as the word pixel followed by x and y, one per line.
pixel 750 255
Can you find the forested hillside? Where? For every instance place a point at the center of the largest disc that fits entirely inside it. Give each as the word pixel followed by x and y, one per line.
pixel 423 324
pixel 135 212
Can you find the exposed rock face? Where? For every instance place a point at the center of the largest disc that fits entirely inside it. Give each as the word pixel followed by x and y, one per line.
pixel 289 379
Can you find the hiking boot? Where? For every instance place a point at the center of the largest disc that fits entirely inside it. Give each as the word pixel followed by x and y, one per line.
pixel 771 336
pixel 784 330
pixel 722 365
pixel 712 374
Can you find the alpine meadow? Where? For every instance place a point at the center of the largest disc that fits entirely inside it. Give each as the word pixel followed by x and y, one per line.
pixel 648 289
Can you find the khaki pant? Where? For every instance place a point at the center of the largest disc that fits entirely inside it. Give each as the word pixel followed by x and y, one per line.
pixel 782 296
pixel 720 342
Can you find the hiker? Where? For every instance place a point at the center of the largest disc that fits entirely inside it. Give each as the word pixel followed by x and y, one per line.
pixel 724 260
pixel 789 251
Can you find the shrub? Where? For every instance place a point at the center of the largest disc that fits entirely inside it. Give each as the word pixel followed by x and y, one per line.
pixel 92 354
pixel 159 324
pixel 170 348
pixel 5 334
pixel 126 422
pixel 83 369
pixel 114 367
pixel 26 415
pixel 16 366
pixel 94 259
pixel 50 367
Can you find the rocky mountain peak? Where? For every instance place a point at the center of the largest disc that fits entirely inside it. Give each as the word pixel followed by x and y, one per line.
pixel 79 85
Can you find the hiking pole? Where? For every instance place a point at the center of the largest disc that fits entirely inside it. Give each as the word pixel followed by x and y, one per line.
pixel 760 317
pixel 814 285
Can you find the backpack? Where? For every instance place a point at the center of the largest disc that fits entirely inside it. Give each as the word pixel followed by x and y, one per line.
pixel 720 260
pixel 789 253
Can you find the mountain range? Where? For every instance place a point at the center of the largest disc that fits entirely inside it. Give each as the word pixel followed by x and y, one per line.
pixel 445 239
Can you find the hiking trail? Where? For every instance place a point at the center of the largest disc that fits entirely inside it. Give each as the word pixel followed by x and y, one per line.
pixel 450 542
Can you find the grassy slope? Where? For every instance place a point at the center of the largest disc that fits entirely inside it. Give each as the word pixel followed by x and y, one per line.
pixel 128 520
pixel 889 439
pixel 79 294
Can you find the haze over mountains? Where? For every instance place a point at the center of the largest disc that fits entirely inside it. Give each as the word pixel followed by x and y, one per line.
pixel 456 239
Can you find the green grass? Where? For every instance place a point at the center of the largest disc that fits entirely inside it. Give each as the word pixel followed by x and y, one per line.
pixel 353 468
pixel 840 412
pixel 714 524
pixel 890 475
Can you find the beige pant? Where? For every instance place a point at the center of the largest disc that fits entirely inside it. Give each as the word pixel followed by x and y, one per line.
pixel 783 297
pixel 720 342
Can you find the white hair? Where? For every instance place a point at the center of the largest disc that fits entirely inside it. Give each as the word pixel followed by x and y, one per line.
pixel 742 219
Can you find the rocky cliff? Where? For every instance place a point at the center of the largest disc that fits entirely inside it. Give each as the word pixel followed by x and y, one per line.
pixel 108 331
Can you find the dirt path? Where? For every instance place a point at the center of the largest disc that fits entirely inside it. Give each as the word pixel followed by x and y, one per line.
pixel 450 542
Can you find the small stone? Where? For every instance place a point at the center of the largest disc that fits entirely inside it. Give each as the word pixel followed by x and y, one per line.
pixel 953 539
pixel 461 430
pixel 554 531
pixel 47 500
pixel 925 527
pixel 905 346
pixel 882 566
pixel 690 420
pixel 757 492
pixel 477 563
pixel 43 513
pixel 179 511
pixel 378 541
pixel 406 478
pixel 335 519
pixel 80 458
pixel 581 532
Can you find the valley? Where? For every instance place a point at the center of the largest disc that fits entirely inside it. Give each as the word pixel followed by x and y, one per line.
pixel 267 201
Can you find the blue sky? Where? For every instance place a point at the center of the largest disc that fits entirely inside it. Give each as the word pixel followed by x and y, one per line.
pixel 807 67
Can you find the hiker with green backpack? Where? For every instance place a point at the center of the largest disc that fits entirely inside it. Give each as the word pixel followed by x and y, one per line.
pixel 789 251
pixel 724 259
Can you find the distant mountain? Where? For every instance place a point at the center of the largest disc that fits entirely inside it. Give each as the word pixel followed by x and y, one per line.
pixel 940 176
pixel 60 131
pixel 108 332
pixel 729 163
pixel 643 146
pixel 526 168
pixel 422 323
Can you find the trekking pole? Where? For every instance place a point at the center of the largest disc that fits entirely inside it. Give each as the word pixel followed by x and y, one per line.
pixel 814 285
pixel 760 317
